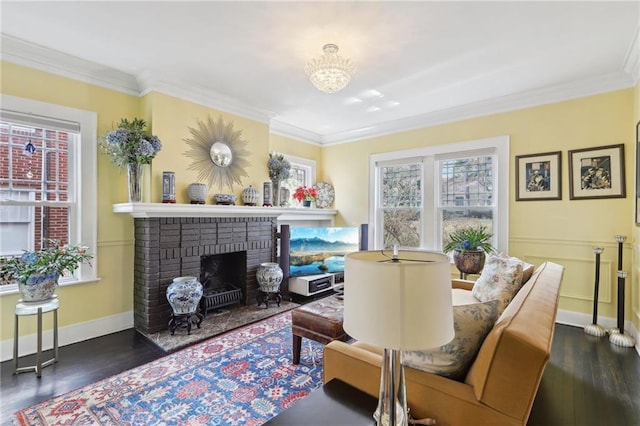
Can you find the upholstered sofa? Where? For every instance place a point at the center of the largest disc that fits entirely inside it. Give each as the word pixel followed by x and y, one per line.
pixel 499 387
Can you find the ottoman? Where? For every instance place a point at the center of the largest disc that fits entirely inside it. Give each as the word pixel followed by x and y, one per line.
pixel 320 321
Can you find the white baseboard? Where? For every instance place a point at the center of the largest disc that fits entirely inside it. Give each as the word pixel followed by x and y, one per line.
pixel 68 335
pixel 580 320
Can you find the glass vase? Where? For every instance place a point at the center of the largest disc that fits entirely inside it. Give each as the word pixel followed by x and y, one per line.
pixel 134 181
pixel 275 193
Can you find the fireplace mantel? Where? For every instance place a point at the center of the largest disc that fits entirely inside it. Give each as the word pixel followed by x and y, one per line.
pixel 283 215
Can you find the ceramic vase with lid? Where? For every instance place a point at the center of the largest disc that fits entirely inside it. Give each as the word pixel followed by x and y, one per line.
pixel 269 276
pixel 184 295
pixel 250 196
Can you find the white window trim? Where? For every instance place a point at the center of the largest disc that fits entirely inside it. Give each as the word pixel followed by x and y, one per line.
pixel 84 230
pixel 304 162
pixel 501 146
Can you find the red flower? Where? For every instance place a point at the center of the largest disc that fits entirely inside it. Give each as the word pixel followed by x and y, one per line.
pixel 305 193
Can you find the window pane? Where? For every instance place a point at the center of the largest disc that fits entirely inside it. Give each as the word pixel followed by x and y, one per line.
pixel 402 227
pixel 402 186
pixel 453 219
pixel 467 182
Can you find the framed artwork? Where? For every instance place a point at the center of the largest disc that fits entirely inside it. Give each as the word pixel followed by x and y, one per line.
pixel 597 172
pixel 638 173
pixel 539 176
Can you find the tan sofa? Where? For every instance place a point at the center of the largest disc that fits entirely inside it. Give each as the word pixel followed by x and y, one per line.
pixel 501 384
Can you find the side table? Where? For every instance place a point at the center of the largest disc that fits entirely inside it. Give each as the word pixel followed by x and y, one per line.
pixel 36 308
pixel 335 403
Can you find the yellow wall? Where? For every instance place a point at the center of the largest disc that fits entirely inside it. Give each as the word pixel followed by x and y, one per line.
pixel 635 279
pixel 562 231
pixel 170 119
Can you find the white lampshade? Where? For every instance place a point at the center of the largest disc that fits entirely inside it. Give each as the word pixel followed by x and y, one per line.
pixel 404 304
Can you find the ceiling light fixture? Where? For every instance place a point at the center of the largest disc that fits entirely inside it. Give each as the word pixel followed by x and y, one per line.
pixel 330 73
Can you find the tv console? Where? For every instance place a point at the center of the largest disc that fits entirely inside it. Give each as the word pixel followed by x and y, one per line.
pixel 311 285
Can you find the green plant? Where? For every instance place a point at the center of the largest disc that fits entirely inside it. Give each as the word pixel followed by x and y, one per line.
pixel 469 238
pixel 55 258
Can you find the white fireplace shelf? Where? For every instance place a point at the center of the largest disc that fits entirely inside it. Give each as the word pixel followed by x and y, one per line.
pixel 283 215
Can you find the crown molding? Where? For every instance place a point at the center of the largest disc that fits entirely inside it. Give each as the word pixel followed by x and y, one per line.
pixel 632 59
pixel 552 94
pixel 200 95
pixel 55 62
pixel 287 130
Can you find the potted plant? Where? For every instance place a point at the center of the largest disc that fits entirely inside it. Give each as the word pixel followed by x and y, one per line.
pixel 37 272
pixel 306 195
pixel 469 245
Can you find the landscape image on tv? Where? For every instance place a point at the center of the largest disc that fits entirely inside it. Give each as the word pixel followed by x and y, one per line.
pixel 320 250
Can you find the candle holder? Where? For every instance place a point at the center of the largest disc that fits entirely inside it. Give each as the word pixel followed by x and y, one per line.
pixel 595 329
pixel 617 336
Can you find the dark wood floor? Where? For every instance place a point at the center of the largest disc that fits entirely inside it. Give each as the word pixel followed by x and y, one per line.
pixel 588 381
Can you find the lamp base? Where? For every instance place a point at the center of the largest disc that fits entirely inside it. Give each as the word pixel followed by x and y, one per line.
pixel 392 403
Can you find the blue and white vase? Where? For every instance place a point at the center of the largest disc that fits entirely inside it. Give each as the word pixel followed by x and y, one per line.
pixel 269 276
pixel 39 287
pixel 184 295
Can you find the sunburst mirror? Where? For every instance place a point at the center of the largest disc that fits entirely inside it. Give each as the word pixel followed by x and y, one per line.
pixel 218 153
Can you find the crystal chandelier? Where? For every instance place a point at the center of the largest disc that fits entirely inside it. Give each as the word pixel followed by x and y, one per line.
pixel 330 73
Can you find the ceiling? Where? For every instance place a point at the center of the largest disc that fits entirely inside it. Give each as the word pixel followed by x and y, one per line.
pixel 418 63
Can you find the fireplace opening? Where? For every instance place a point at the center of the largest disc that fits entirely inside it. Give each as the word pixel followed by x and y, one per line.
pixel 223 278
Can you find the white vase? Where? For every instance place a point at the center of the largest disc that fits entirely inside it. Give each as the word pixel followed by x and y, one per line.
pixel 250 196
pixel 197 193
pixel 269 276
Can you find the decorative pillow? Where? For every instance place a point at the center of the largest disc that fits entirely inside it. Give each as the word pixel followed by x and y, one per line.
pixel 472 323
pixel 500 280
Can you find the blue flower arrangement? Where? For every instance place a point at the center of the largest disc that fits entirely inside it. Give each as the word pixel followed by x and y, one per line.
pixel 279 167
pixel 131 144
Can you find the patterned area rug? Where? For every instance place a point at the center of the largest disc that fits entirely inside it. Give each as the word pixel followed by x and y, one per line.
pixel 243 377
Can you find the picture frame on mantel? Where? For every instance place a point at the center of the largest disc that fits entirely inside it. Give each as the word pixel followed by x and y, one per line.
pixel 539 176
pixel 638 173
pixel 596 173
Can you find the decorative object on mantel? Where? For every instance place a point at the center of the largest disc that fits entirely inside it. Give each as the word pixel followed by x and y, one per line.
pixel 184 294
pixel 225 199
pixel 617 336
pixel 279 169
pixel 267 189
pixel 168 187
pixel 595 329
pixel 269 276
pixel 326 195
pixel 305 195
pixel 218 153
pixel 132 147
pixel 250 196
pixel 330 73
pixel 197 193
pixel 469 245
pixel 37 272
pixel 285 196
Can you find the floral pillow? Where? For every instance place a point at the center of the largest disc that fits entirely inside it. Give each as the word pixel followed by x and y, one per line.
pixel 500 280
pixel 472 323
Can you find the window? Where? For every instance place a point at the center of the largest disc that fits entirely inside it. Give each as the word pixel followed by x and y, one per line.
pixel 302 173
pixel 47 179
pixel 418 196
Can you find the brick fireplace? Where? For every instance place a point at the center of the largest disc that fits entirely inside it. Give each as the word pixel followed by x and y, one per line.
pixel 170 247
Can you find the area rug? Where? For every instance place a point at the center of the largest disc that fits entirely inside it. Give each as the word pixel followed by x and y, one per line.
pixel 243 377
pixel 217 322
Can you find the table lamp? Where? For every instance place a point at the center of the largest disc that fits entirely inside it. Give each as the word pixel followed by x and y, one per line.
pixel 397 300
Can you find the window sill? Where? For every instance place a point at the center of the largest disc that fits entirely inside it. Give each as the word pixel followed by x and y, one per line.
pixel 10 289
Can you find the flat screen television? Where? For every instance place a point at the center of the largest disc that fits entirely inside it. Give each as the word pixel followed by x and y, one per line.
pixel 320 250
